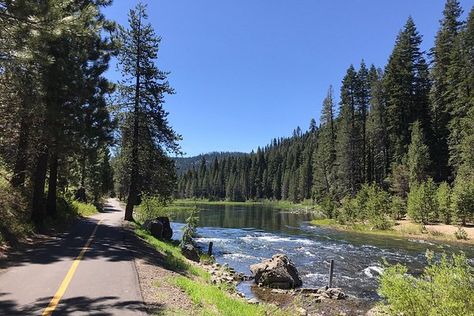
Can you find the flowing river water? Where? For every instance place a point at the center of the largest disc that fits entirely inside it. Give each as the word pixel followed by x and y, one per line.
pixel 244 235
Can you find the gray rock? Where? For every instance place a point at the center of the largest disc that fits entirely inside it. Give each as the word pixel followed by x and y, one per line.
pixel 159 227
pixel 277 272
pixel 190 252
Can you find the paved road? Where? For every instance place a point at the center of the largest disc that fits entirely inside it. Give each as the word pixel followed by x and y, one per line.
pixel 104 283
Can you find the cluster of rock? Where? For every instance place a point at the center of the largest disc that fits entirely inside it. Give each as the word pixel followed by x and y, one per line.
pixel 278 272
pixel 223 274
pixel 322 293
pixel 191 252
pixel 159 227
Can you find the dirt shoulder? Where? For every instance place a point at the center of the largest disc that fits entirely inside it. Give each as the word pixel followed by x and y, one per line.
pixel 407 229
pixel 442 232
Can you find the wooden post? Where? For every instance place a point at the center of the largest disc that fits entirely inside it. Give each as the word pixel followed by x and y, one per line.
pixel 209 250
pixel 331 271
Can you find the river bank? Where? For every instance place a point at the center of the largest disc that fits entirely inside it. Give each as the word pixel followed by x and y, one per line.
pixel 173 285
pixel 279 204
pixel 405 229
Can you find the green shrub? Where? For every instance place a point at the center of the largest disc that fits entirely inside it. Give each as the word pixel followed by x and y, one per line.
pixel 371 204
pixel 463 198
pixel 460 234
pixel 328 207
pixel 189 230
pixel 347 212
pixel 15 221
pixel 422 205
pixel 150 208
pixel 443 197
pixel 381 222
pixel 445 288
pixel 397 207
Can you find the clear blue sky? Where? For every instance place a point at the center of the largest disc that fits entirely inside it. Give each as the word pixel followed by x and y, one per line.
pixel 248 71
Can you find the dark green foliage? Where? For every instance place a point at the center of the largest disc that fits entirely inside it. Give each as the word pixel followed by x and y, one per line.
pixel 461 79
pixel 406 86
pixel 282 170
pixel 53 104
pixel 441 95
pixel 324 171
pixel 418 157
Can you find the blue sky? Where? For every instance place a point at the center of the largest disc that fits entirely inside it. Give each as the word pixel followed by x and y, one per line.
pixel 248 71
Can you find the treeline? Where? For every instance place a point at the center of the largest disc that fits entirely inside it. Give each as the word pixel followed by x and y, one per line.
pixel 56 122
pixel 394 128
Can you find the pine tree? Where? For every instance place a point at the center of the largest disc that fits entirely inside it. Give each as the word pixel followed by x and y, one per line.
pixel 418 158
pixel 378 162
pixel 363 95
pixel 348 156
pixel 143 91
pixel 406 86
pixel 440 96
pixel 461 78
pixel 325 153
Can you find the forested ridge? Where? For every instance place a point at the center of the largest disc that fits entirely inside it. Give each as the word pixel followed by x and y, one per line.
pixel 68 132
pixel 406 126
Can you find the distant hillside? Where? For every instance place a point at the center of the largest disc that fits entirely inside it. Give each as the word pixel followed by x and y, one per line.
pixel 183 164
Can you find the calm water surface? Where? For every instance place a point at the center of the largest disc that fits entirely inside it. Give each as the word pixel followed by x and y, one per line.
pixel 244 235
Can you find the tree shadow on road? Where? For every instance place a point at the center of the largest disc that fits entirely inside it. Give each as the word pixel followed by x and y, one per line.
pixel 103 306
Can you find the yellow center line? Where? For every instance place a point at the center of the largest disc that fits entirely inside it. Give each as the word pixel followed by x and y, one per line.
pixel 62 288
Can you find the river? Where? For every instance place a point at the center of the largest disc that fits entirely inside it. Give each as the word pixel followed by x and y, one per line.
pixel 244 235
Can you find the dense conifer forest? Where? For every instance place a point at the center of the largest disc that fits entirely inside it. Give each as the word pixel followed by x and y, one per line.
pixel 68 132
pixel 395 128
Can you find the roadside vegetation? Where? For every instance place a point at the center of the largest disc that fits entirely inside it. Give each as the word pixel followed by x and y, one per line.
pixel 208 299
pixel 16 223
pixel 445 288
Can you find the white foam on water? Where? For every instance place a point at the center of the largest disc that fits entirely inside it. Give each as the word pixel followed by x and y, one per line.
pixel 421 241
pixel 238 256
pixel 373 271
pixel 214 240
pixel 276 239
pixel 315 276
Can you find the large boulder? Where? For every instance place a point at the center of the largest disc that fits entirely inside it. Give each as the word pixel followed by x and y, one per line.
pixel 159 228
pixel 190 252
pixel 156 229
pixel 277 272
pixel 167 231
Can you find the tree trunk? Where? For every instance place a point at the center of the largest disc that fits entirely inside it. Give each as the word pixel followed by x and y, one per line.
pixel 133 189
pixel 39 180
pixel 52 185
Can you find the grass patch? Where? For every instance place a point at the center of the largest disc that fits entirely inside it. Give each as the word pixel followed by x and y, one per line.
pixel 84 209
pixel 324 222
pixel 214 301
pixel 174 260
pixel 412 229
